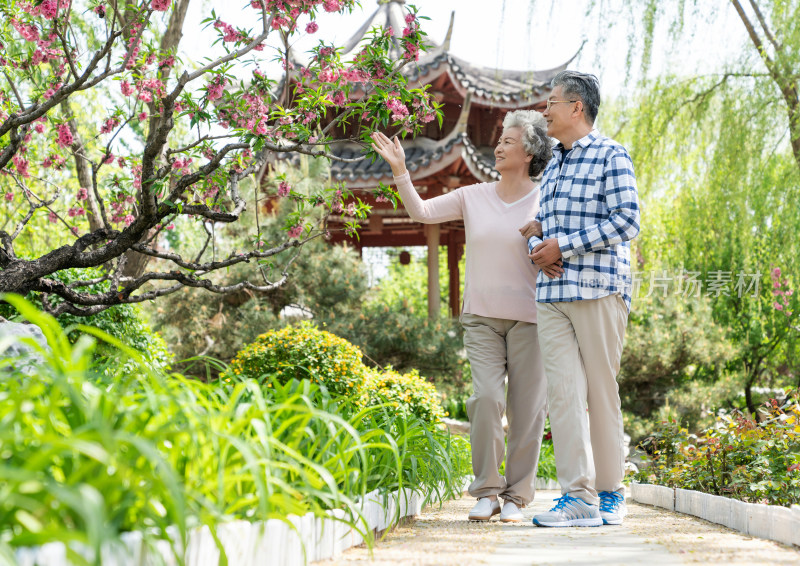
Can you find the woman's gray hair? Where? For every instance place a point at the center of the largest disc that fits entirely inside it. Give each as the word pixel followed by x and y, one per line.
pixel 534 137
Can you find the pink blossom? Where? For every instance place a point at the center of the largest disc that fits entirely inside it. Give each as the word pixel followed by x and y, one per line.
pixel 312 27
pixel 38 127
pixel 408 31
pixel 168 62
pixel 76 211
pixel 777 306
pixel 216 89
pixel 9 195
pixel 389 32
pixel 182 165
pixel 327 75
pixel 170 227
pixel 109 125
pixel 160 5
pixel 83 194
pixel 29 32
pixel 410 18
pixel 776 272
pixel 339 99
pixel 145 96
pixel 121 162
pixel 142 116
pixel 284 189
pixel 332 5
pixel 351 209
pixel 399 110
pixel 21 164
pixel 279 21
pixel 128 219
pixel 65 138
pixel 109 158
pixel 126 88
pixel 52 217
pixel 295 231
pixel 49 9
pixel 428 117
pixel 100 11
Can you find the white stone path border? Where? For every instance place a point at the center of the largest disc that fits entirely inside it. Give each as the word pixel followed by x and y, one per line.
pixel 249 544
pixel 771 522
pixel 272 542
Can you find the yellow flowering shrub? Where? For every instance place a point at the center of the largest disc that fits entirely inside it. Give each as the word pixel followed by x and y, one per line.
pixel 303 352
pixel 408 393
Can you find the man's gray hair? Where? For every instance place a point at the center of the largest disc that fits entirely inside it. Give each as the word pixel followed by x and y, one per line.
pixel 584 86
pixel 534 137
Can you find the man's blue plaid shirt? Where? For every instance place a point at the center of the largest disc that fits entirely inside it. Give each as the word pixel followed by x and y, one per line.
pixel 589 202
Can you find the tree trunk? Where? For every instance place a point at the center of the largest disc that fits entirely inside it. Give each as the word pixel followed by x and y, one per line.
pixel 136 263
pixel 83 170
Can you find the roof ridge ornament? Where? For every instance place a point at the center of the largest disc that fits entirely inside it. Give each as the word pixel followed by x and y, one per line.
pixel 446 42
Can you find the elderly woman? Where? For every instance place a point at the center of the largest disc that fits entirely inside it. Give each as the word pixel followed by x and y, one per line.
pixel 499 309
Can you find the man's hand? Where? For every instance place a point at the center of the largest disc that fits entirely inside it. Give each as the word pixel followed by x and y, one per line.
pixel 547 256
pixel 532 228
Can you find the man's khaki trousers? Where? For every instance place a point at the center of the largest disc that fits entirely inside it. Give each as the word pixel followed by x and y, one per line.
pixel 495 348
pixel 581 345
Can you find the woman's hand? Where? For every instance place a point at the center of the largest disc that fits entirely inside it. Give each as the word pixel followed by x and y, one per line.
pixel 391 151
pixel 532 228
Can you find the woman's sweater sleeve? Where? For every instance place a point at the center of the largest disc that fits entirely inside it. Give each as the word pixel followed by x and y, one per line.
pixel 433 210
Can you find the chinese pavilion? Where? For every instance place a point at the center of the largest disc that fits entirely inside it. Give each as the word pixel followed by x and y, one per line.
pixel 460 153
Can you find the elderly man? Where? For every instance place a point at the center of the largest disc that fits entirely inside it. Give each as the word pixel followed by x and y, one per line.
pixel 589 212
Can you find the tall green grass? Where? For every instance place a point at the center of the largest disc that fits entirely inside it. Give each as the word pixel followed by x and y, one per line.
pixel 85 457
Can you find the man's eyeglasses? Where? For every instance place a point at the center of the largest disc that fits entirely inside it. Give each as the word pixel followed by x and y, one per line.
pixel 551 102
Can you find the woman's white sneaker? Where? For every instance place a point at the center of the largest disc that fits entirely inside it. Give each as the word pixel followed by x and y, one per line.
pixel 511 513
pixel 484 510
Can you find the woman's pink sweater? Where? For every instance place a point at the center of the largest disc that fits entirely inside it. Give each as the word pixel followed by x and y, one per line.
pixel 500 280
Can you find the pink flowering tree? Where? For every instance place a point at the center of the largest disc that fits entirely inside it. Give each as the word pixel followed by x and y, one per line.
pixel 763 323
pixel 174 141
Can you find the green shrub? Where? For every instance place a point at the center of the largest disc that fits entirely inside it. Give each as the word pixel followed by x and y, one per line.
pixel 302 352
pixel 126 323
pixel 742 458
pixel 408 393
pixel 325 281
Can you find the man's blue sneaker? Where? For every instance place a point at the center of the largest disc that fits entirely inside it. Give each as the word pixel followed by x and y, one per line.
pixel 570 512
pixel 612 507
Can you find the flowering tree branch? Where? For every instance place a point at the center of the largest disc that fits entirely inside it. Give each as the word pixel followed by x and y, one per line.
pixel 117 182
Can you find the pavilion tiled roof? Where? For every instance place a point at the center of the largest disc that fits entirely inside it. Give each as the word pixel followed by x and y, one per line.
pixel 423 157
pixel 496 88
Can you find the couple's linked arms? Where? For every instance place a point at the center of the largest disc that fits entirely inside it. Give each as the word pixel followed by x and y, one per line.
pixel 621 225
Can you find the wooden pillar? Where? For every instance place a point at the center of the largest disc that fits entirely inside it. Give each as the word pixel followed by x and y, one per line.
pixel 453 256
pixel 432 234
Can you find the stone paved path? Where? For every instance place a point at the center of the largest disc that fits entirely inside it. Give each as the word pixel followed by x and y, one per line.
pixel 650 537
